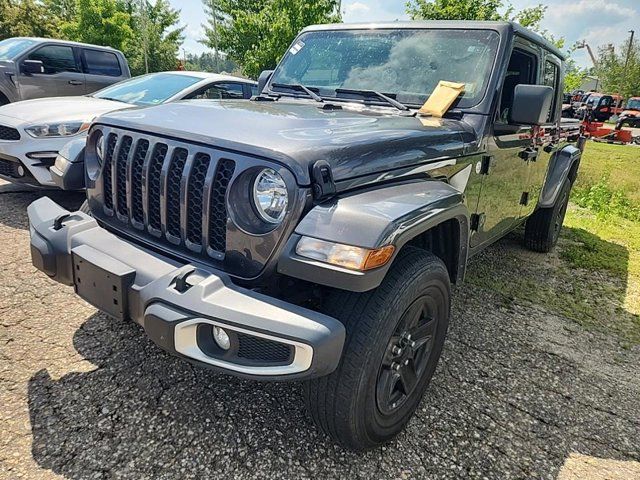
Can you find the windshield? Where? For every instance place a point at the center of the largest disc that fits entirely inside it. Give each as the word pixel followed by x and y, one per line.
pixel 151 89
pixel 634 104
pixel 593 100
pixel 405 64
pixel 12 47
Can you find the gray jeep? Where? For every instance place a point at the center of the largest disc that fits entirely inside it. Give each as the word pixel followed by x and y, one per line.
pixel 314 233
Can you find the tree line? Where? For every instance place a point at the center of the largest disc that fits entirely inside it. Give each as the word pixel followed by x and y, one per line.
pixel 148 33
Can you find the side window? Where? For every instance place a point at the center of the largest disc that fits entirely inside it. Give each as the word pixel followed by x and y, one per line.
pixel 552 79
pixel 220 91
pixel 254 90
pixel 56 59
pixel 522 69
pixel 99 62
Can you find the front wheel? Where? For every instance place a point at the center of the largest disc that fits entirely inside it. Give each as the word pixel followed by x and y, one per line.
pixel 395 335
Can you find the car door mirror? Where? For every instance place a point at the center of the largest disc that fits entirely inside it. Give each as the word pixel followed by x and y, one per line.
pixel 531 104
pixel 32 66
pixel 263 79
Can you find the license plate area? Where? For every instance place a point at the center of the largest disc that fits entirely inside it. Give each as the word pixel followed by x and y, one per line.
pixel 102 280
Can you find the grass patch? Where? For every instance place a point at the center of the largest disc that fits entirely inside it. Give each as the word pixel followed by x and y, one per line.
pixel 593 278
pixel 614 167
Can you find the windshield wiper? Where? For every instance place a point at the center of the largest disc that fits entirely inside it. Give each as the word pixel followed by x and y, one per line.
pixel 109 98
pixel 373 93
pixel 298 86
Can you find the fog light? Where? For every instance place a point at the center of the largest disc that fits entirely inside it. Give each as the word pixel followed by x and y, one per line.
pixel 222 338
pixel 20 171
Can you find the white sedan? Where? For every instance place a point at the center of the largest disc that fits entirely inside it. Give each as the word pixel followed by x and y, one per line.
pixel 32 132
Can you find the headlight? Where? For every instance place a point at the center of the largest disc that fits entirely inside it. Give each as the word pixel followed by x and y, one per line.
pixel 270 196
pixel 57 129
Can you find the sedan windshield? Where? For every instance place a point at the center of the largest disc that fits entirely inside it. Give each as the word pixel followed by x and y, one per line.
pixel 12 47
pixel 151 89
pixel 405 64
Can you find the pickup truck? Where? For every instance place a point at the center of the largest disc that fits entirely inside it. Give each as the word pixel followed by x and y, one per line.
pixel 44 67
pixel 314 233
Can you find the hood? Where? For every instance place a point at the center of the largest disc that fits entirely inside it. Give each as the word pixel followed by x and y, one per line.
pixel 630 113
pixel 355 140
pixel 44 110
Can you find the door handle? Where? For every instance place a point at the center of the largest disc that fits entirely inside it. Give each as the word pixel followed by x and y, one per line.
pixel 75 82
pixel 529 154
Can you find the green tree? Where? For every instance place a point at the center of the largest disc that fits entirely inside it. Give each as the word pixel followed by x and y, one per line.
pixel 617 74
pixel 206 62
pixel 101 22
pixel 26 18
pixel 255 34
pixel 156 31
pixel 65 10
pixel 475 10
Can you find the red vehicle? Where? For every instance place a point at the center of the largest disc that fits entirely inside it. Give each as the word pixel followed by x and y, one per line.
pixel 631 115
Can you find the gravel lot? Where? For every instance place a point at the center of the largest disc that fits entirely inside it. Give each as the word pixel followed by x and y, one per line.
pixel 520 393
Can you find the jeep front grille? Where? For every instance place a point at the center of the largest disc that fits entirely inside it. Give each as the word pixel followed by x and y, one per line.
pixel 160 187
pixel 9 133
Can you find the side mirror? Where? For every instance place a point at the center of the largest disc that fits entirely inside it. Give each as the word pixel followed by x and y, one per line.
pixel 32 66
pixel 531 104
pixel 263 79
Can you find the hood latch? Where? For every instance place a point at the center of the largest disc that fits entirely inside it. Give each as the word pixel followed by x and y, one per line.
pixel 322 180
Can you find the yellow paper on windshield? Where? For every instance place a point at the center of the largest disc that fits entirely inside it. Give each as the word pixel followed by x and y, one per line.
pixel 442 98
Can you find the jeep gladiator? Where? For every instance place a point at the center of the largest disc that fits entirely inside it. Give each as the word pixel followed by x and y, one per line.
pixel 313 233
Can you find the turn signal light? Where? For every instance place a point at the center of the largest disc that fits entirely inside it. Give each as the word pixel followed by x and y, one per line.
pixel 347 256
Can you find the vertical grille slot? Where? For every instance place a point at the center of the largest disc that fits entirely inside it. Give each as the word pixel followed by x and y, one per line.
pixel 154 186
pixel 217 207
pixel 137 209
pixel 121 175
pixel 195 195
pixel 106 171
pixel 174 176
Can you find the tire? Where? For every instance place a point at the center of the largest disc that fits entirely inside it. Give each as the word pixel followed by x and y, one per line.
pixel 542 229
pixel 358 405
pixel 84 208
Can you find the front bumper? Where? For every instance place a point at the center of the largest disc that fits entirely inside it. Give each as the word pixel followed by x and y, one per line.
pixel 178 312
pixel 34 155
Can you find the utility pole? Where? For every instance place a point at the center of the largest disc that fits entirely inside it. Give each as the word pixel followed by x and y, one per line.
pixel 145 33
pixel 626 63
pixel 214 16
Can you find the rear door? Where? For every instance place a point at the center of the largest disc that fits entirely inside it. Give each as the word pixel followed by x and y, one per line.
pixel 62 74
pixel 101 68
pixel 546 138
pixel 508 148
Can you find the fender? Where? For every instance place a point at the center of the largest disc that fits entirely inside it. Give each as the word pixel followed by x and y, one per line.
pixel 560 167
pixel 4 92
pixel 391 215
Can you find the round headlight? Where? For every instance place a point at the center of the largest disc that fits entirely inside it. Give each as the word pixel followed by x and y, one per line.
pixel 270 196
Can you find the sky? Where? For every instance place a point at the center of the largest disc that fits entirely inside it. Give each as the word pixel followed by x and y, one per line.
pixel 599 22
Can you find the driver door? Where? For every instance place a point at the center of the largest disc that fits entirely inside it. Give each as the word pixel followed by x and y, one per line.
pixel 62 74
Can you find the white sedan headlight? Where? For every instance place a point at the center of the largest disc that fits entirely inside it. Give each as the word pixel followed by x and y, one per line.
pixel 50 130
pixel 270 196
